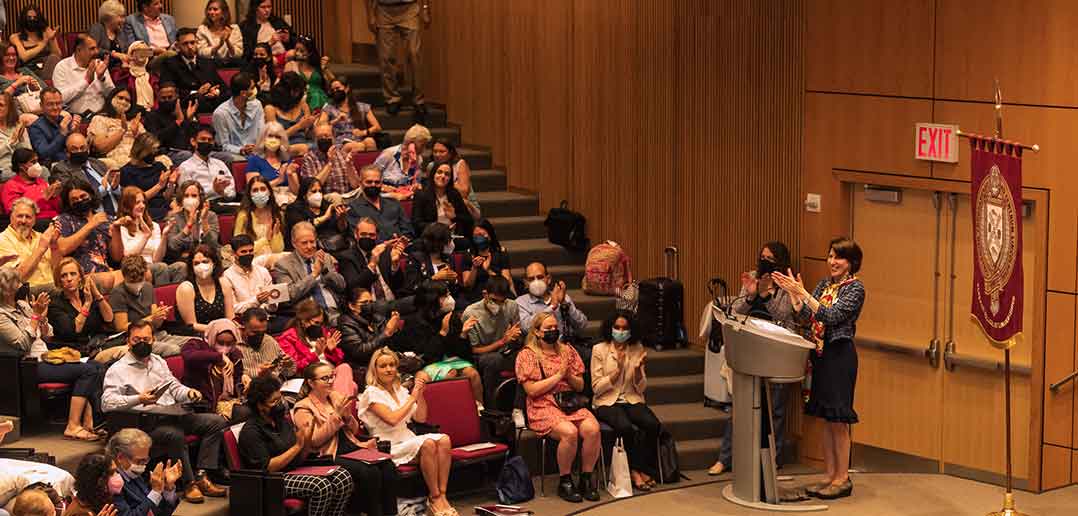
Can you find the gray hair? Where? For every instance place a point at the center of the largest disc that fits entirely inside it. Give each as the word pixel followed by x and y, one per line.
pixel 417 133
pixel 300 226
pixel 370 166
pixel 110 9
pixel 26 203
pixel 10 282
pixel 127 440
pixel 273 129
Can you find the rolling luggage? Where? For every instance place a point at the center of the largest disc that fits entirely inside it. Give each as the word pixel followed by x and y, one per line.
pixel 661 310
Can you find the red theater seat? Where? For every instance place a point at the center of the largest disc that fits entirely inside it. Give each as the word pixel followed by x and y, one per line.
pixel 226 223
pixel 226 75
pixel 239 175
pixel 176 366
pixel 451 407
pixel 205 119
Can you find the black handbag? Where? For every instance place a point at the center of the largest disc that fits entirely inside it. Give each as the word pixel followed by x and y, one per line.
pixel 568 401
pixel 567 228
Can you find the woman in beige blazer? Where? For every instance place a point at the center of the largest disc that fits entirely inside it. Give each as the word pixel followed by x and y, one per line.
pixel 618 381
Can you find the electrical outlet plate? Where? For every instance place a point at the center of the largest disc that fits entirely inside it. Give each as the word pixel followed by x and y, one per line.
pixel 812 202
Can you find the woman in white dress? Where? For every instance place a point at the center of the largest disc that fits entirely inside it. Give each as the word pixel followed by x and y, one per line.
pixel 386 408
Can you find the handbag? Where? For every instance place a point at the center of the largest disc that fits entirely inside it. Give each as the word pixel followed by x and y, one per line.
pixel 30 102
pixel 567 228
pixel 568 401
pixel 620 485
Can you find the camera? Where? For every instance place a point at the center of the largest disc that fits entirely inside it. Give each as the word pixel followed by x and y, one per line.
pixel 384 446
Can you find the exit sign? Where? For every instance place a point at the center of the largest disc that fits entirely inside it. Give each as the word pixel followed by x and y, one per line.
pixel 936 142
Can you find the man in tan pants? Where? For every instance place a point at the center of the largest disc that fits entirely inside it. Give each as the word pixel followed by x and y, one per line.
pixel 396 23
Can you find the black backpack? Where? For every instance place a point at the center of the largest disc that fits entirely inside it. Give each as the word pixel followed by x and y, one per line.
pixel 668 458
pixel 567 228
pixel 514 482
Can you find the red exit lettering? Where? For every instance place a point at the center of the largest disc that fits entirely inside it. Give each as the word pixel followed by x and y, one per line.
pixel 934 142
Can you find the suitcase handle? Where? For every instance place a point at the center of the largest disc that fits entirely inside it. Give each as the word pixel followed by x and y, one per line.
pixel 671 254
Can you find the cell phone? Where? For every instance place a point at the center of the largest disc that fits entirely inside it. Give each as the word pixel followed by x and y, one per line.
pixel 160 389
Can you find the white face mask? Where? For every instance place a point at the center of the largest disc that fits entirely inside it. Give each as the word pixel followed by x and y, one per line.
pixel 137 470
pixel 260 198
pixel 449 248
pixel 203 270
pixel 314 199
pixel 272 144
pixel 35 171
pixel 191 203
pixel 448 304
pixel 537 288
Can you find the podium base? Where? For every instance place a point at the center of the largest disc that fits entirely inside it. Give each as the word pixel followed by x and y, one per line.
pixel 728 494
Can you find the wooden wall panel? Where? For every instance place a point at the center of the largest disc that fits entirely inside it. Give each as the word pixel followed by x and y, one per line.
pixel 1059 361
pixel 870 47
pixel 1057 467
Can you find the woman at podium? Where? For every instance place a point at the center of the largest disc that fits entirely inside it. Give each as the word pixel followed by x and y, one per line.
pixel 831 313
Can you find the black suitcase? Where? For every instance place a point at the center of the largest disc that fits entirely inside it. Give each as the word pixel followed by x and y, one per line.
pixel 661 312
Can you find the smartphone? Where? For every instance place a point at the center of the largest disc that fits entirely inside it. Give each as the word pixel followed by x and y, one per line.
pixel 160 389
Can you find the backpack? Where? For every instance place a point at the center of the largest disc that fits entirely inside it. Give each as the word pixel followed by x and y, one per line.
pixel 606 270
pixel 567 228
pixel 668 458
pixel 514 483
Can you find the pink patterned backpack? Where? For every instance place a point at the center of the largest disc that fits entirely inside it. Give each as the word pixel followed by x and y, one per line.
pixel 607 269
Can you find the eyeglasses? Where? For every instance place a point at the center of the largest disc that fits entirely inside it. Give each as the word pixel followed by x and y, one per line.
pixel 327 378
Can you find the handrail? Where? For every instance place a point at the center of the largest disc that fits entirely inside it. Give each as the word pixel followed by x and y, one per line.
pixel 931 352
pixel 1055 386
pixel 952 359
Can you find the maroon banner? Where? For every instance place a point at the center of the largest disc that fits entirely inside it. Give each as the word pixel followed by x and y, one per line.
pixel 997 233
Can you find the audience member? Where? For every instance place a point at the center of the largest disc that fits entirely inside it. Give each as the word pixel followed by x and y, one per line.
pixel 114 129
pixel 262 70
pixel 196 78
pixel 328 218
pixel 77 311
pixel 618 380
pixel 489 259
pixel 310 273
pixel 201 299
pixel 545 367
pixel 214 366
pixel 239 121
pixel 48 134
pixel 336 433
pixel 385 212
pixel 260 218
pixel 108 32
pixel 36 42
pixel 309 339
pixel 262 26
pixel 396 24
pixel 173 122
pixel 84 231
pixel 28 184
pixel 313 69
pixel 432 261
pixel 367 264
pixel 83 78
pixel 132 384
pixel 269 442
pixel 330 163
pixel 363 330
pixel 272 161
pixel 210 173
pixel 17 80
pixel 24 327
pixel 401 164
pixel 135 233
pixel 443 151
pixel 139 493
pixel 387 409
pixel 439 201
pixel 97 480
pixel 262 356
pixel 547 296
pixel 151 174
pixel 35 253
pixel 13 133
pixel 33 502
pixel 194 223
pixel 248 281
pixel 496 335
pixel 151 26
pixel 352 121
pixel 135 301
pixel 287 108
pixel 218 38
pixel 79 165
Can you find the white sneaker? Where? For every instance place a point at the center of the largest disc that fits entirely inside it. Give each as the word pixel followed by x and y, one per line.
pixel 518 418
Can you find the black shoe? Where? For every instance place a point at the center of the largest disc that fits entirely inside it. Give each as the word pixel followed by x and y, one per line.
pixel 833 492
pixel 393 108
pixel 587 488
pixel 567 491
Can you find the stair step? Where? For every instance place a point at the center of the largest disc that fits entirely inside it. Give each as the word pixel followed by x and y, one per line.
pixel 489 180
pixel 688 421
pixel 359 75
pixel 516 228
pixel 523 252
pixel 510 204
pixel 480 159
pixel 452 133
pixel 405 118
pixel 597 308
pixel 674 389
pixel 675 362
pixel 372 94
pixel 571 274
pixel 698 453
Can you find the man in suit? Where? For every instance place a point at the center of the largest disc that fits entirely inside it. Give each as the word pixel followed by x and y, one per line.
pixel 309 272
pixel 194 77
pixel 151 26
pixel 157 496
pixel 80 165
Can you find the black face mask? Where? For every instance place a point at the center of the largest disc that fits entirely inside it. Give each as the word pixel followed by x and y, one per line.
pixel 339 96
pixel 82 207
pixel 204 148
pixel 313 332
pixel 366 244
pixel 366 310
pixel 278 410
pixel 324 144
pixel 764 267
pixel 79 158
pixel 246 260
pixel 254 340
pixel 551 336
pixel 166 106
pixel 141 349
pixel 372 192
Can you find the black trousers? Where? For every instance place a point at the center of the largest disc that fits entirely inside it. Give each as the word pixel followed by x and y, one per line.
pixel 490 367
pixel 640 446
pixel 375 491
pixel 168 443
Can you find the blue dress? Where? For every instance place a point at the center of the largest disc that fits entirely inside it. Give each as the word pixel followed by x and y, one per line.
pixel 256 163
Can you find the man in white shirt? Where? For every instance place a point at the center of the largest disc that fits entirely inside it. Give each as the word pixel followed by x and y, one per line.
pixel 212 173
pixel 83 79
pixel 248 280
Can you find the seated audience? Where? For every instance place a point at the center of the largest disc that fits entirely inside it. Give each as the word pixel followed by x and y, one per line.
pixel 174 123
pixel 374 266
pixel 83 78
pixel 439 201
pixel 618 380
pixel 135 301
pixel 387 408
pixel 17 476
pixel 287 108
pixel 151 175
pixel 308 339
pixel 269 442
pixel 202 299
pixel 194 223
pixel 331 226
pixel 149 25
pixel 210 173
pixel 363 330
pixel 48 134
pixel 142 490
pixel 330 163
pixel 34 502
pixel 489 259
pixel 79 165
pixel 214 366
pixel 28 184
pixel 239 121
pixel 402 177
pixel 352 121
pixel 108 32
pixel 97 480
pixel 547 296
pixel 84 232
pixel 335 434
pixel 24 328
pixel 260 218
pixel 136 234
pixel 310 273
pixel 196 78
pixel 443 150
pixel 272 162
pixel 432 261
pixel 36 42
pixel 130 384
pixel 313 69
pixel 218 38
pixel 385 212
pixel 248 281
pixel 547 366
pixel 13 133
pixel 262 70
pixel 114 128
pixel 401 164
pixel 496 335
pixel 262 355
pixel 77 311
pixel 35 253
pixel 263 26
pixel 15 80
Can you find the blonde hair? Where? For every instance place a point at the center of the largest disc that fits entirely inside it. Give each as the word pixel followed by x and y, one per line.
pixel 532 341
pixel 274 129
pixel 110 9
pixel 64 262
pixel 372 370
pixel 417 133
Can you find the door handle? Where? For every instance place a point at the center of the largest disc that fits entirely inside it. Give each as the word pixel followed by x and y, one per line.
pixel 1056 386
pixel 933 353
pixel 948 356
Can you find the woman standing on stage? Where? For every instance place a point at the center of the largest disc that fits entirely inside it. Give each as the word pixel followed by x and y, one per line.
pixel 832 311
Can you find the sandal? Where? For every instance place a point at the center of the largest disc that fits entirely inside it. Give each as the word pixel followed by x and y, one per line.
pixel 83 435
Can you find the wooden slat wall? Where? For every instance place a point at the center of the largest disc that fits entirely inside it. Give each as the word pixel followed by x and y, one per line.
pixel 69 15
pixel 663 122
pixel 308 17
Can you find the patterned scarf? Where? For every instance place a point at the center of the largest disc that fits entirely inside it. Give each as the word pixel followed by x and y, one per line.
pixel 827 298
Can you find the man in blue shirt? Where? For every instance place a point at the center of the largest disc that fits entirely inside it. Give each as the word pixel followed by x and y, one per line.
pixel 546 296
pixel 48 135
pixel 240 120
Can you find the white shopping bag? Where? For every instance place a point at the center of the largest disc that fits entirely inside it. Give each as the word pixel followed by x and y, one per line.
pixel 620 486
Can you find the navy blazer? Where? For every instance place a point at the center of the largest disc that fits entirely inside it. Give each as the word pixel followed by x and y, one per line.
pixel 134 500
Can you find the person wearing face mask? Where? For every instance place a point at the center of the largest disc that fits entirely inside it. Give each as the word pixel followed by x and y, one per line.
pixel 202 298
pixel 79 165
pixel 496 336
pixel 328 218
pixel 134 300
pixel 204 168
pixel 113 131
pixel 330 163
pixel 214 366
pixel 34 251
pixel 29 184
pixel 262 355
pixel 262 68
pixel 97 480
pixel 365 329
pixel 193 222
pixel 309 339
pixel 310 273
pixel 85 232
pixel 385 211
pixel 239 122
pixel 261 219
pixel 286 107
pixel 173 122
pixel 135 488
pixel 141 381
pixel 489 260
pixel 545 295
pixel 373 265
pixel 272 161
pixel 247 280
pixel 36 41
pixel 353 121
pixel 618 379
pixel 432 260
